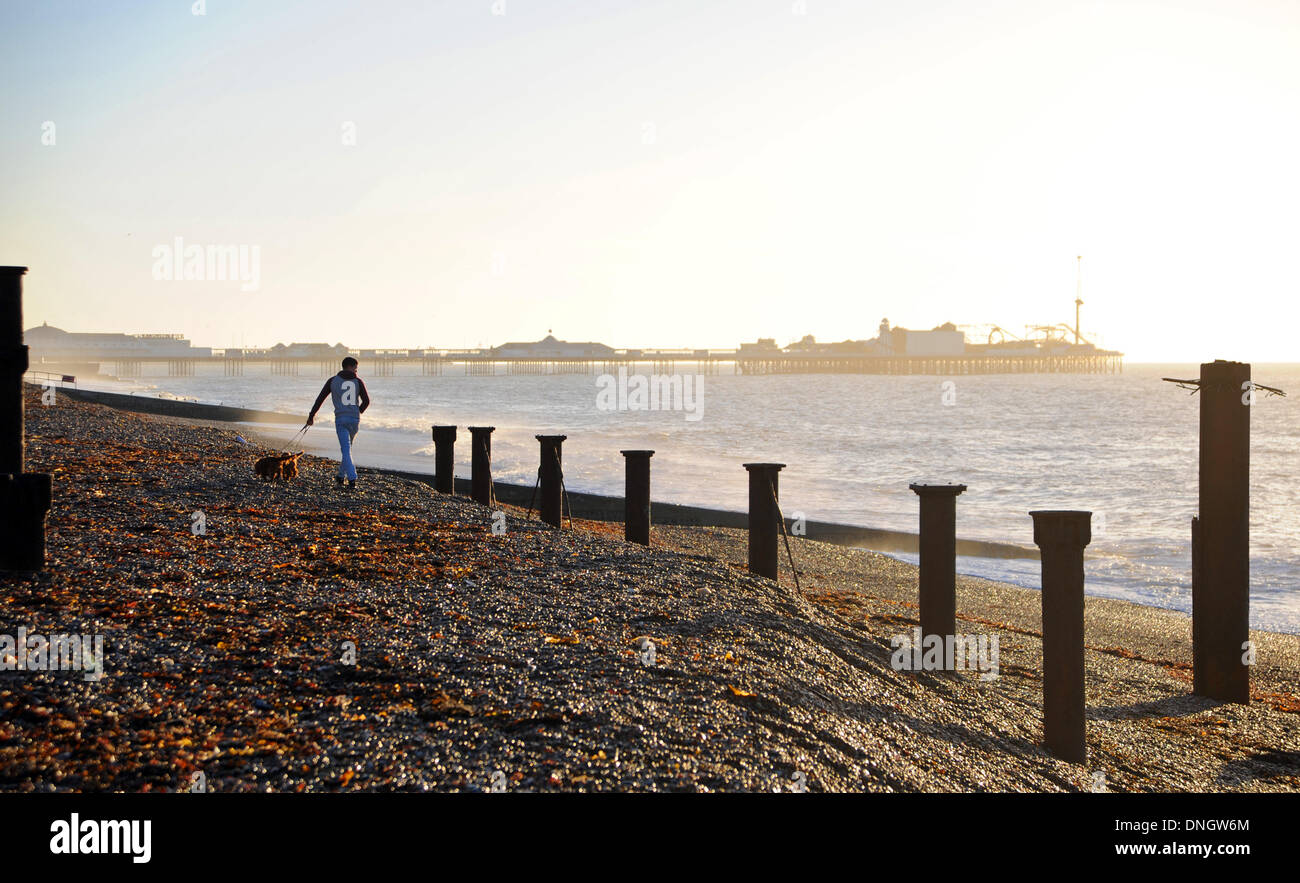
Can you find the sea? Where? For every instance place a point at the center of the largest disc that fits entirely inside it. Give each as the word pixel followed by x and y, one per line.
pixel 1123 446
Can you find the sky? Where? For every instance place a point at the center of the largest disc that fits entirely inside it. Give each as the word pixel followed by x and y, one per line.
pixel 674 173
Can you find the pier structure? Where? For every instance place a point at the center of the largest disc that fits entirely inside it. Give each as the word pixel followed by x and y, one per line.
pixel 424 363
pixel 1095 362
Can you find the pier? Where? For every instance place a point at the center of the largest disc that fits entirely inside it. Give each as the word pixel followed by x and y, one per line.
pixel 1099 362
pixel 427 363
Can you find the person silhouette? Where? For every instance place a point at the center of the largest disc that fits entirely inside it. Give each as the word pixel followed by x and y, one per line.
pixel 350 398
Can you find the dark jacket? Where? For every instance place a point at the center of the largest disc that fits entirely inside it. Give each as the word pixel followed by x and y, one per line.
pixel 348 392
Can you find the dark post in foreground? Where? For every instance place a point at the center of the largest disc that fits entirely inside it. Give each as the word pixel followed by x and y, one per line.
pixel 763 517
pixel 1221 536
pixel 481 464
pixel 550 473
pixel 636 497
pixel 444 459
pixel 937 594
pixel 24 497
pixel 1060 537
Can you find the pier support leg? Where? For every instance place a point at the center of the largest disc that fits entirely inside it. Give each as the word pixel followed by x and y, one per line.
pixel 24 497
pixel 481 464
pixel 1221 571
pixel 444 459
pixel 1061 538
pixel 937 593
pixel 551 474
pixel 636 495
pixel 763 517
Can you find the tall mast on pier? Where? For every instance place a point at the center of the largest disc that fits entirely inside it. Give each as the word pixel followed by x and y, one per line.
pixel 1078 295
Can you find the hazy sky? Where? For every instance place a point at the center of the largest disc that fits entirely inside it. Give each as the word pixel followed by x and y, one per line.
pixel 675 173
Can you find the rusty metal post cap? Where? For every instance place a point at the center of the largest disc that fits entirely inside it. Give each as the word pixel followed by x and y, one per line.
pixel 13 271
pixel 550 437
pixel 1062 527
pixel 481 428
pixel 752 466
pixel 446 432
pixel 934 490
pixel 637 453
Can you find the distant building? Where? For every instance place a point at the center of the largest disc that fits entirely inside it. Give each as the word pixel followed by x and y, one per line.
pixel 55 344
pixel 808 345
pixel 764 345
pixel 945 340
pixel 885 340
pixel 308 350
pixel 550 348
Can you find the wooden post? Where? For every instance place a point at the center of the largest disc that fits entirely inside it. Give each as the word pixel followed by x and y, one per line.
pixel 13 364
pixel 24 497
pixel 636 496
pixel 551 475
pixel 444 456
pixel 763 517
pixel 481 464
pixel 937 589
pixel 1221 572
pixel 1061 537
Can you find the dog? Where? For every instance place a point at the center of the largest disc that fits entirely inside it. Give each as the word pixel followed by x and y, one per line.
pixel 277 467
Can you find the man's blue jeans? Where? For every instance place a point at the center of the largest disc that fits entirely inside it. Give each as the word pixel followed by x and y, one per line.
pixel 347 430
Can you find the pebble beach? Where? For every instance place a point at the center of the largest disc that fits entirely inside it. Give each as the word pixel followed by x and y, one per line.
pixel 309 638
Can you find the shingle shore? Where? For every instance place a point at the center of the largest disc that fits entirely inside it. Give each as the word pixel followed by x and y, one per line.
pixel 514 658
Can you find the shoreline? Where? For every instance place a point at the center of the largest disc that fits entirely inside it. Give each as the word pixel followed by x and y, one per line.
pixel 168 407
pixel 609 508
pixel 593 507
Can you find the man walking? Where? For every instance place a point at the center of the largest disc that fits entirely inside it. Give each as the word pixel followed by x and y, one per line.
pixel 350 402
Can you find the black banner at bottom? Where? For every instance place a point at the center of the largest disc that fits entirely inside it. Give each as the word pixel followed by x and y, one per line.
pixel 143 833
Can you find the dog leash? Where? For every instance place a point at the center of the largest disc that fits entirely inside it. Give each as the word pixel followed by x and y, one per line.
pixel 302 433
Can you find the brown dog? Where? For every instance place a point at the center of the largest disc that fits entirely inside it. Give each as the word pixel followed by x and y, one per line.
pixel 276 467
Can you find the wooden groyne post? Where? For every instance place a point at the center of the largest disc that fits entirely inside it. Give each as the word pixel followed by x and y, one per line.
pixel 937 592
pixel 481 464
pixel 550 474
pixel 764 518
pixel 13 364
pixel 24 496
pixel 1221 536
pixel 444 459
pixel 1061 537
pixel 636 496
